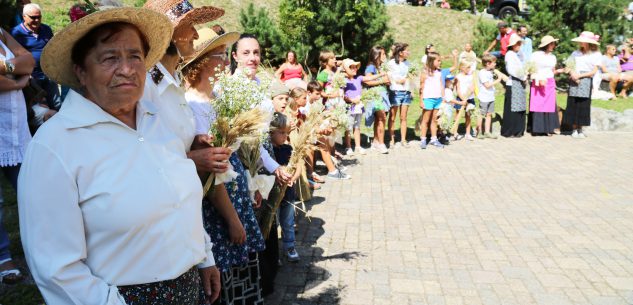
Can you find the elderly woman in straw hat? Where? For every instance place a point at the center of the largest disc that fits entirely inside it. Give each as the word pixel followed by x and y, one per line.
pixel 578 111
pixel 163 84
pixel 543 114
pixel 229 217
pixel 109 204
pixel 514 106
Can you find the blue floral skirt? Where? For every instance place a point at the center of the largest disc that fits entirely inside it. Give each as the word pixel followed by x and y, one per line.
pixel 182 290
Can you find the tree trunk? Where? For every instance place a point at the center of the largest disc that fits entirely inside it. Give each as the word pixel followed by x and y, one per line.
pixel 473 6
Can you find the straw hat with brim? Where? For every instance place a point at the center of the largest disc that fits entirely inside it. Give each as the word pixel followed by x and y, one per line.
pixel 347 63
pixel 209 40
pixel 587 37
pixel 546 40
pixel 182 12
pixel 514 39
pixel 56 58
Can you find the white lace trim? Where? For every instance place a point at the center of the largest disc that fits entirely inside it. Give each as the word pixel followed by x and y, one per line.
pixel 13 157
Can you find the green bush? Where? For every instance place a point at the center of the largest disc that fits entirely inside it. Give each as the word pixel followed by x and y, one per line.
pixel 462 5
pixel 485 32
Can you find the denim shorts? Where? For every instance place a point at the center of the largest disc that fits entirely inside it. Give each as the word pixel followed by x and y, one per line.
pixel 400 97
pixel 432 103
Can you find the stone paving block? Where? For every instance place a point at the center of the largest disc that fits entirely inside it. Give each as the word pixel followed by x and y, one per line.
pixel 506 229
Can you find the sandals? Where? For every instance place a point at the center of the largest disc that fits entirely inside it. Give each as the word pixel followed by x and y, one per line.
pixel 316 178
pixel 10 276
pixel 313 185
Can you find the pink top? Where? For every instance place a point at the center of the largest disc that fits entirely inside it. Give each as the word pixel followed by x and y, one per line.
pixel 290 73
pixel 433 85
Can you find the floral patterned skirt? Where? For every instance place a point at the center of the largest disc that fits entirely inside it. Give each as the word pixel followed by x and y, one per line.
pixel 182 290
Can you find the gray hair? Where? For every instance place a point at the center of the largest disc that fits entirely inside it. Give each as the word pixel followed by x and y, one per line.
pixel 31 7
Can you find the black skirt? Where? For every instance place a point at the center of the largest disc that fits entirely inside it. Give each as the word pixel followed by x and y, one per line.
pixel 544 122
pixel 578 111
pixel 513 122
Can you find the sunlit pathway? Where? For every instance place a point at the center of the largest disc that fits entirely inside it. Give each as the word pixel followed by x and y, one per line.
pixel 508 221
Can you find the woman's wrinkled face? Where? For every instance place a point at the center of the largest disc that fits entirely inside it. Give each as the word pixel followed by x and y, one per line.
pixel 247 54
pixel 114 71
pixel 183 39
pixel 280 102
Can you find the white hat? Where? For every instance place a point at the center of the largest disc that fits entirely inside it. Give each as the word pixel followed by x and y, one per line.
pixel 514 39
pixel 547 39
pixel 347 63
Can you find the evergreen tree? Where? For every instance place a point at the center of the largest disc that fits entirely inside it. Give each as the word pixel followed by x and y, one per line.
pixel 567 19
pixel 347 27
pixel 258 22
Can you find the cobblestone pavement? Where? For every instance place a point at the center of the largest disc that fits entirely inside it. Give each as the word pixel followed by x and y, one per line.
pixel 509 221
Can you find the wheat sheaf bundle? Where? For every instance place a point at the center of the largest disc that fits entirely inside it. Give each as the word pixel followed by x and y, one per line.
pixel 305 141
pixel 246 126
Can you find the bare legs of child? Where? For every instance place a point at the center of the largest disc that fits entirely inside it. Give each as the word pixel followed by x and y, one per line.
pixel 428 118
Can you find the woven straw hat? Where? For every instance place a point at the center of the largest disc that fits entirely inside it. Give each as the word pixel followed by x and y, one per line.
pixel 56 58
pixel 588 37
pixel 514 39
pixel 546 40
pixel 182 12
pixel 208 40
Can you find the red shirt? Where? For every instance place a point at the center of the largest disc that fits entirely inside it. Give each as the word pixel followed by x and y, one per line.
pixel 505 40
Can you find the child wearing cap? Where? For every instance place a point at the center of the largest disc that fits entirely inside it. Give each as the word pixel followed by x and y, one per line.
pixel 353 91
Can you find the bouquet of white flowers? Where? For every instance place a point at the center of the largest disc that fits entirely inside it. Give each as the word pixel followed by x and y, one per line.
pixel 338 80
pixel 370 96
pixel 570 64
pixel 238 116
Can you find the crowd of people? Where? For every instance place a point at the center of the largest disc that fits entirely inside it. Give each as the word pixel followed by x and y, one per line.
pixel 119 154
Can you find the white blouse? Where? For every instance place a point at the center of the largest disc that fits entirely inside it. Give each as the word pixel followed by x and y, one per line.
pixel 14 128
pixel 170 98
pixel 584 62
pixel 398 72
pixel 103 205
pixel 545 64
pixel 514 66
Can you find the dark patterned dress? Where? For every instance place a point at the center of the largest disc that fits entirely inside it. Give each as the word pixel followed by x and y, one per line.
pixel 237 263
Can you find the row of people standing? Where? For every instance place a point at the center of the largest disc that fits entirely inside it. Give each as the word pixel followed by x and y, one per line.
pixel 543 109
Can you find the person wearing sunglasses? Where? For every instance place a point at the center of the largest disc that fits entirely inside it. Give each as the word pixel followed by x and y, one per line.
pixel 33 35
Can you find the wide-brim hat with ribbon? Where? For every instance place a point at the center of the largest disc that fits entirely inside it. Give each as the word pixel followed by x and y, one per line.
pixel 208 40
pixel 182 12
pixel 587 37
pixel 56 58
pixel 547 39
pixel 514 39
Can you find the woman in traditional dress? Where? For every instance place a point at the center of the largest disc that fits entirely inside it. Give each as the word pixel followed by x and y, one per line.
pixel 514 106
pixel 543 115
pixel 578 111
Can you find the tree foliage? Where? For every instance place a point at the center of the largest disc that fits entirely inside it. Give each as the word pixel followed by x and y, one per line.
pixel 258 22
pixel 347 27
pixel 566 19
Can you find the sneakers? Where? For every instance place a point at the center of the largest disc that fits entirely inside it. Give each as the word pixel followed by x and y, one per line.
pixel 349 152
pixel 481 136
pixel 423 144
pixel 382 148
pixel 338 175
pixel 576 135
pixel 457 137
pixel 360 150
pixel 581 134
pixel 470 138
pixel 375 145
pixel 292 254
pixel 436 143
pixel 405 144
pixel 490 136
